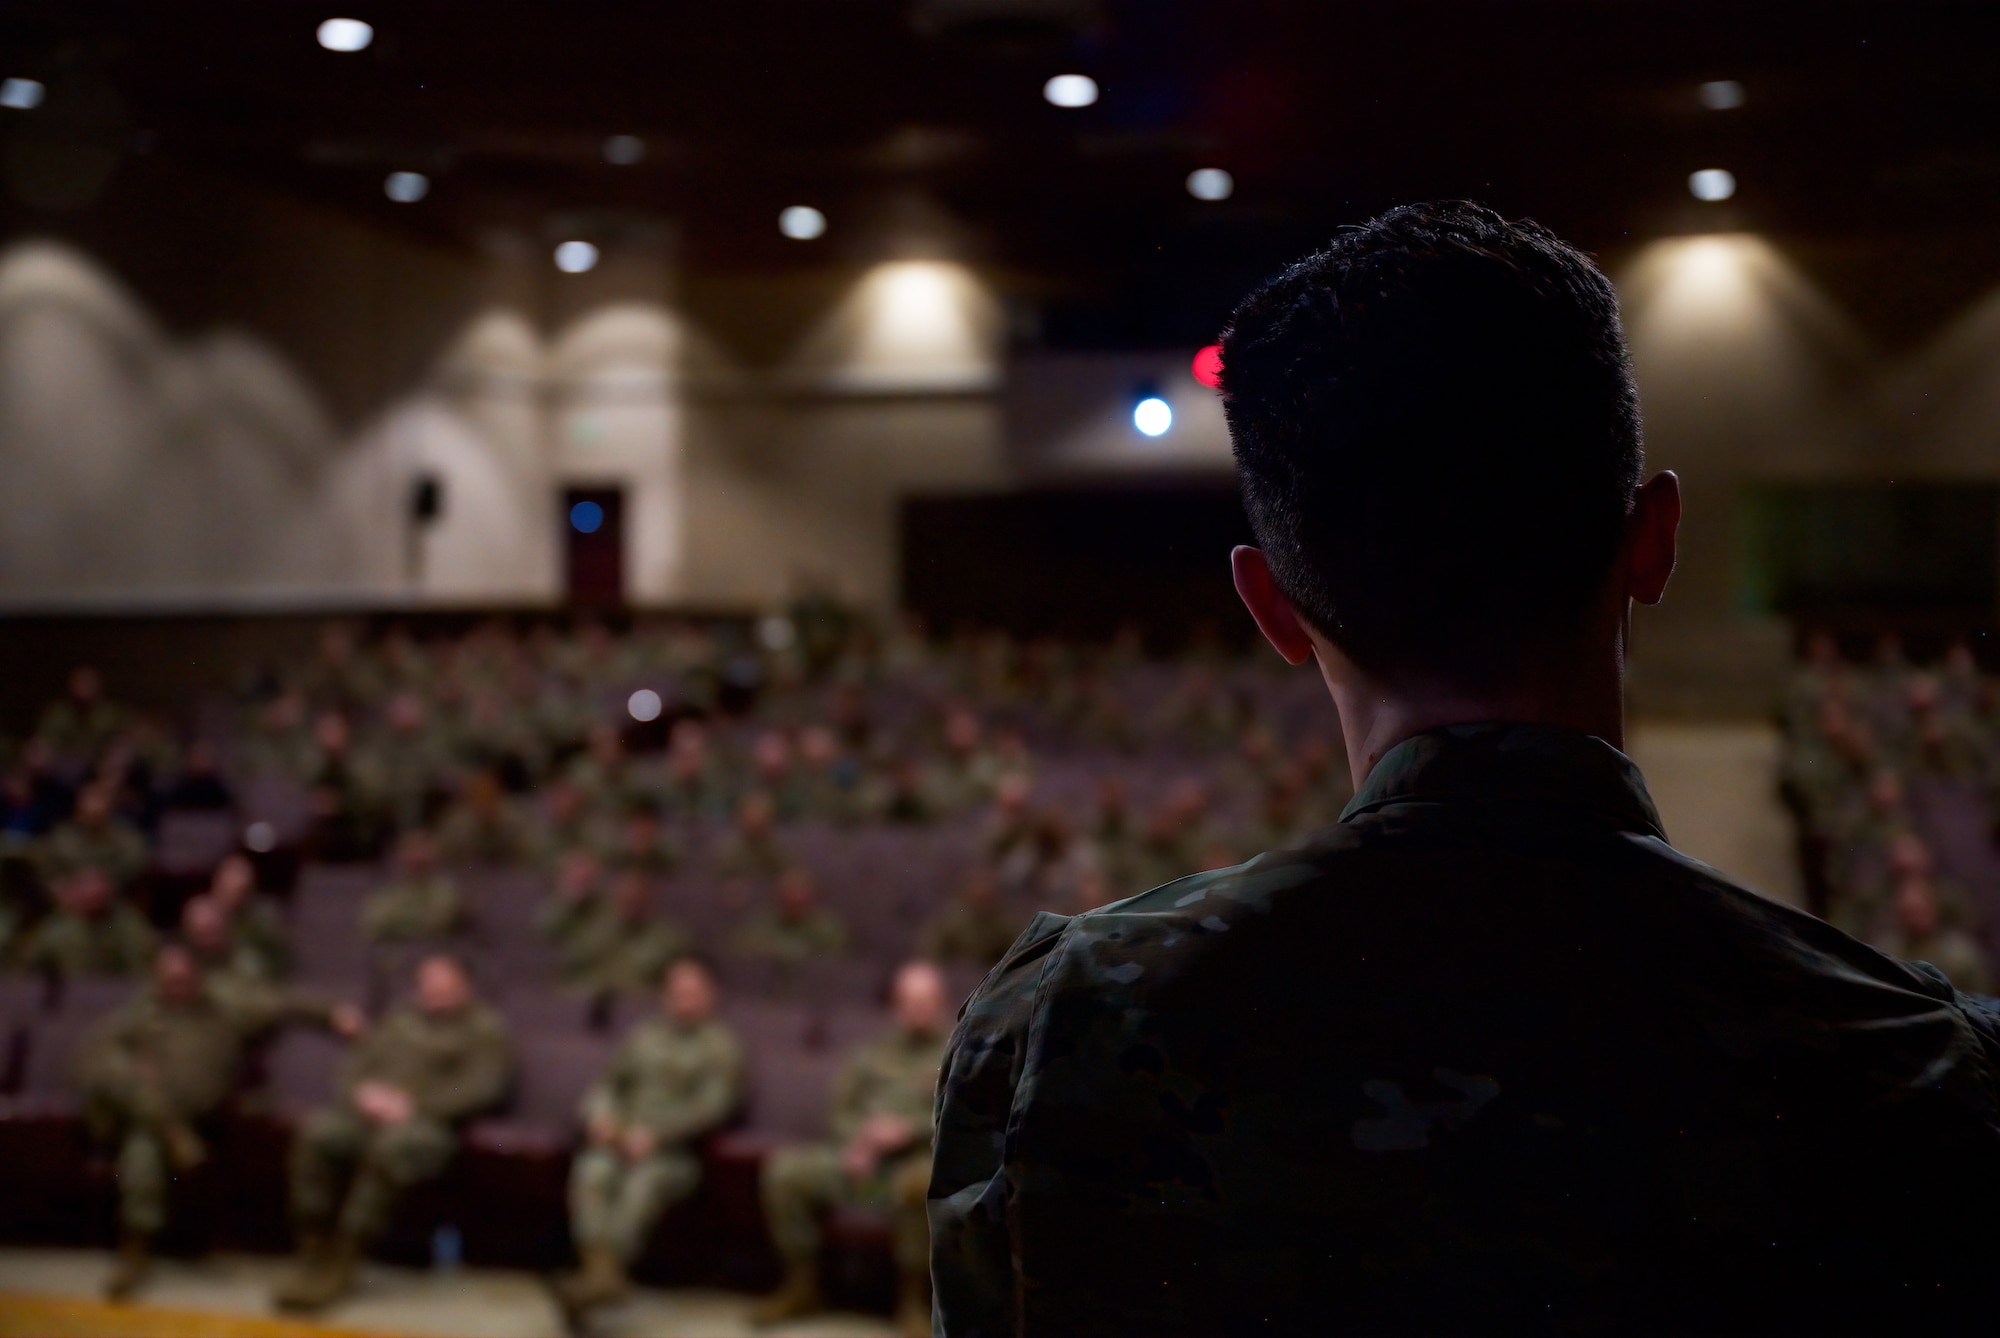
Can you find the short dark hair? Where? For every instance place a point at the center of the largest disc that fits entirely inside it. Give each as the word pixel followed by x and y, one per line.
pixel 1437 435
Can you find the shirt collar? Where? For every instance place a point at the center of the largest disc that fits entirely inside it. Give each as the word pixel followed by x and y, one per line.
pixel 1518 764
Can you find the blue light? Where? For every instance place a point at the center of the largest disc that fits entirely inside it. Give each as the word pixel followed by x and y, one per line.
pixel 586 517
pixel 1152 415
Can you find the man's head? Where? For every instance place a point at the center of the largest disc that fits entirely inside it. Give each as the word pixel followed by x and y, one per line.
pixel 94 804
pixel 632 895
pixel 1437 434
pixel 176 975
pixel 88 892
pixel 417 853
pixel 205 927
pixel 1916 905
pixel 755 814
pixel 688 993
pixel 917 998
pixel 233 883
pixel 442 985
pixel 798 895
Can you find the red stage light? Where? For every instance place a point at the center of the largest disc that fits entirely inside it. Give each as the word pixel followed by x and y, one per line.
pixel 1208 366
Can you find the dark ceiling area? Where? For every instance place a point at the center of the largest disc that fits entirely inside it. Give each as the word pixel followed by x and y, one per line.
pixel 906 121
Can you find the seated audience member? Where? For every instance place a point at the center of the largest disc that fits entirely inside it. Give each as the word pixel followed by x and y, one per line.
pixel 566 824
pixel 795 928
pixel 1920 932
pixel 199 785
pixel 752 851
pixel 977 928
pixel 341 794
pixel 255 924
pixel 227 964
pixel 411 1082
pixel 91 932
pixel 694 791
pixel 95 837
pixel 622 942
pixel 156 1073
pixel 574 900
pixel 1487 1055
pixel 484 827
pixel 420 902
pixel 82 722
pixel 643 843
pixel 879 1156
pixel 674 1080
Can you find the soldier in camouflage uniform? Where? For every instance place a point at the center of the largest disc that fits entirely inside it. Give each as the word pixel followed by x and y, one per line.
pixel 796 928
pixel 92 931
pixel 255 925
pixel 674 1080
pixel 880 1156
pixel 421 902
pixel 95 837
pixel 621 943
pixel 420 1074
pixel 1488 1054
pixel 83 722
pixel 977 928
pixel 157 1071
pixel 573 902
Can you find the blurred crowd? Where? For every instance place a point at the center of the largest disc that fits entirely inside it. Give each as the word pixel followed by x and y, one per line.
pixel 804 807
pixel 1892 769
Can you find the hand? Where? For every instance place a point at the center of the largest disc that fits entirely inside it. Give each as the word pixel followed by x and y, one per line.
pixel 638 1144
pixel 383 1104
pixel 888 1133
pixel 858 1158
pixel 347 1021
pixel 603 1130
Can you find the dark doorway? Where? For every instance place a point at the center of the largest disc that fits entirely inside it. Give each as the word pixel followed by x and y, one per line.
pixel 593 523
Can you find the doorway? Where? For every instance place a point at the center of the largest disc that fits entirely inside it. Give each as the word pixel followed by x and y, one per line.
pixel 593 522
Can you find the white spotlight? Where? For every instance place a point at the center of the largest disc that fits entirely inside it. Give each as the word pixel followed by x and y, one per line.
pixel 1720 94
pixel 260 837
pixel 801 222
pixel 624 150
pixel 406 187
pixel 1712 184
pixel 1070 90
pixel 345 35
pixel 1210 183
pixel 1152 415
pixel 644 704
pixel 22 94
pixel 576 257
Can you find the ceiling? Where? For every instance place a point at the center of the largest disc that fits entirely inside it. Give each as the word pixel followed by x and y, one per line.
pixel 922 123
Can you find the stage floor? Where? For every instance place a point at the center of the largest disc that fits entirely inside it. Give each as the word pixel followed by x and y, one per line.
pixel 53 1292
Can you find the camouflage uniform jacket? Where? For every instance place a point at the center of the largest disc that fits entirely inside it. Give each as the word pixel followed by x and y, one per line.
pixel 413 909
pixel 115 847
pixel 1487 1055
pixel 676 1081
pixel 894 1074
pixel 453 1065
pixel 782 938
pixel 606 951
pixel 186 1057
pixel 117 943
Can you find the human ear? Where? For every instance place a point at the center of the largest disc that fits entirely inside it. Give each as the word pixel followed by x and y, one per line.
pixel 1268 606
pixel 1650 537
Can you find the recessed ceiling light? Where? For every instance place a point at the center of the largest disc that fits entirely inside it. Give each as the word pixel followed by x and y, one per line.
pixel 22 94
pixel 1712 184
pixel 624 150
pixel 801 222
pixel 1070 90
pixel 576 257
pixel 406 187
pixel 1152 415
pixel 1210 183
pixel 1720 94
pixel 345 35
